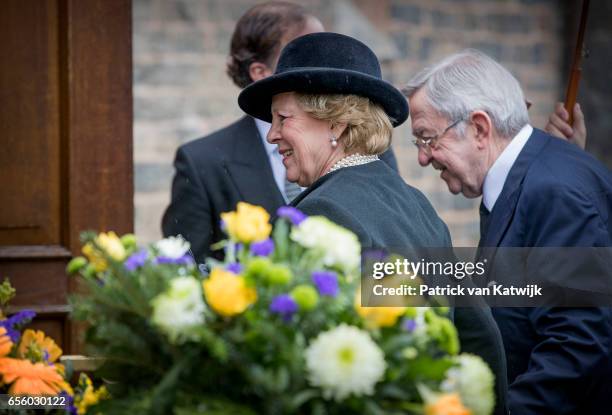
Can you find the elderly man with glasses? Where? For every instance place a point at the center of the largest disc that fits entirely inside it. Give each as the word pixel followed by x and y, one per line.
pixel 470 122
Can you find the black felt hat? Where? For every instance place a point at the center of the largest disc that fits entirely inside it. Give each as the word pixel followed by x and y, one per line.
pixel 325 63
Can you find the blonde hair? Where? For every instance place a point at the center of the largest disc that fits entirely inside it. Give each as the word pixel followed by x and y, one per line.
pixel 368 127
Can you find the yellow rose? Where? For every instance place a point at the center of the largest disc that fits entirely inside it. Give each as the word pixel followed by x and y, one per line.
pixel 247 223
pixel 447 404
pixel 227 293
pixel 376 317
pixel 109 243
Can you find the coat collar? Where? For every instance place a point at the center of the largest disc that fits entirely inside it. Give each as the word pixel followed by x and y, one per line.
pixel 317 183
pixel 505 206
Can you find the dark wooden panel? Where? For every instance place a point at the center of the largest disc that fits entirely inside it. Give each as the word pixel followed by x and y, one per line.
pixel 38 282
pixel 100 117
pixel 98 122
pixel 42 286
pixel 29 123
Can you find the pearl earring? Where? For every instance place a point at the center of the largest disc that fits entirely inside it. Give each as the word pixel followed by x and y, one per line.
pixel 333 139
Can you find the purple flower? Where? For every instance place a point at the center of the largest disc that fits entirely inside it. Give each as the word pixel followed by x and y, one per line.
pixel 17 319
pixel 409 325
pixel 294 215
pixel 136 260
pixel 234 267
pixel 21 317
pixel 262 248
pixel 13 334
pixel 284 305
pixel 70 408
pixel 182 260
pixel 326 282
pixel 375 254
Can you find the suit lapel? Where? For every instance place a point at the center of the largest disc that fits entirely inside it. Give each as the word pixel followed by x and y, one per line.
pixel 250 171
pixel 504 208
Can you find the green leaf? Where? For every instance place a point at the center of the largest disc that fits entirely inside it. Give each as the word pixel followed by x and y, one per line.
pixel 429 368
pixel 281 239
pixel 7 292
pixel 164 393
pixel 302 397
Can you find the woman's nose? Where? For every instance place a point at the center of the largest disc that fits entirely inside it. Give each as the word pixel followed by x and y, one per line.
pixel 273 135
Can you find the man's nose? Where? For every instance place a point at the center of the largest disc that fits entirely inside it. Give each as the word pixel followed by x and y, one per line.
pixel 424 157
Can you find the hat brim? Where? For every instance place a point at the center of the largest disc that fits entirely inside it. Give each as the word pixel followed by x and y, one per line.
pixel 256 99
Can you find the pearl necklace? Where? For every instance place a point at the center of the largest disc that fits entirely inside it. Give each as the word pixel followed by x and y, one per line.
pixel 353 160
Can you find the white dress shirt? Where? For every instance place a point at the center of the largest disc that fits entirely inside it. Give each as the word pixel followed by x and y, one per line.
pixel 497 174
pixel 276 160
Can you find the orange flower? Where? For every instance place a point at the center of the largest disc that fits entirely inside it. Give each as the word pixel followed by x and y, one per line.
pixel 5 342
pixel 34 345
pixel 29 378
pixel 447 404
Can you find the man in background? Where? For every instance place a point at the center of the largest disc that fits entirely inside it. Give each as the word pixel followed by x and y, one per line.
pixel 470 122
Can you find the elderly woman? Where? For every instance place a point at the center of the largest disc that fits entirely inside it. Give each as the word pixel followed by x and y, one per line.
pixel 332 115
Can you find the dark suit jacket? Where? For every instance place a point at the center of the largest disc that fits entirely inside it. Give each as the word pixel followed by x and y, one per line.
pixel 213 174
pixel 373 201
pixel 559 359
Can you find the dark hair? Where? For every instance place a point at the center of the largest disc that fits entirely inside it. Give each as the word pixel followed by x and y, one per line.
pixel 258 35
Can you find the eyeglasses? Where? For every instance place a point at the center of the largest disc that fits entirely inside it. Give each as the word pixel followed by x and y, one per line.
pixel 430 143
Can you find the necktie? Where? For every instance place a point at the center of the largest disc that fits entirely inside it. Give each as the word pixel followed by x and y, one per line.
pixel 291 190
pixel 485 219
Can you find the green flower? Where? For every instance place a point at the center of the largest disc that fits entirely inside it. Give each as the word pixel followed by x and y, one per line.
pixel 129 241
pixel 305 296
pixel 76 264
pixel 256 270
pixel 443 331
pixel 258 267
pixel 279 275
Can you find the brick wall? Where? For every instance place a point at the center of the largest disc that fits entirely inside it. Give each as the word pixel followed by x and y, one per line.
pixel 181 91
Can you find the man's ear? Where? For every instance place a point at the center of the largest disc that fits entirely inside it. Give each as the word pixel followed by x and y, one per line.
pixel 258 70
pixel 483 125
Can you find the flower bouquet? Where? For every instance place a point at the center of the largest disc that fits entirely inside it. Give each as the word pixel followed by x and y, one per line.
pixel 30 372
pixel 275 328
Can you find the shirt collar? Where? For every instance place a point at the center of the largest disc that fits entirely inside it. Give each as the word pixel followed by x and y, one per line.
pixel 497 174
pixel 263 128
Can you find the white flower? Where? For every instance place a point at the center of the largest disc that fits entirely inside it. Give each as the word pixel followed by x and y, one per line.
pixel 343 361
pixel 173 247
pixel 474 381
pixel 179 310
pixel 337 245
pixel 420 330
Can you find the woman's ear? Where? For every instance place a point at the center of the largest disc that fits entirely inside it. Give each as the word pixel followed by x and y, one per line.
pixel 338 128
